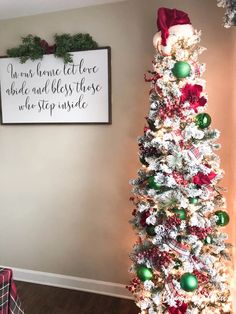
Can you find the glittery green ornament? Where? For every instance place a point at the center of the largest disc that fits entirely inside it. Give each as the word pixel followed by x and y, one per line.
pixel 181 69
pixel 193 200
pixel 203 120
pixel 152 184
pixel 188 282
pixel 223 218
pixel 144 273
pixel 151 231
pixel 180 212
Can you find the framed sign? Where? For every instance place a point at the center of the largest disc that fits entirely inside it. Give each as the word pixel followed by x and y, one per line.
pixel 50 91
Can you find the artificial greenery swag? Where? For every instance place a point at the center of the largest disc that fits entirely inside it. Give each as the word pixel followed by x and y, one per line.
pixel 33 47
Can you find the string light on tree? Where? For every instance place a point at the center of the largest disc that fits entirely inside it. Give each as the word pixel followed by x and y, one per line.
pixel 180 261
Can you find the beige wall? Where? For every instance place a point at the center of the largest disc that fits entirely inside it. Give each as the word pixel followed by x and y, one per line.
pixel 64 189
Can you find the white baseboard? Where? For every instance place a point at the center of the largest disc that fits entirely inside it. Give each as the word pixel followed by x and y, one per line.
pixel 71 282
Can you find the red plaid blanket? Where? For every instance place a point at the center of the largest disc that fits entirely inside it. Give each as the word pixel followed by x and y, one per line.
pixel 9 300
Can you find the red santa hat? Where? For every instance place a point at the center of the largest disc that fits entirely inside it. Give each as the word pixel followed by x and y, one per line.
pixel 167 18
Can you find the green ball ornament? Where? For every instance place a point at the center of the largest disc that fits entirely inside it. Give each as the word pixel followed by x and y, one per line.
pixel 223 218
pixel 193 200
pixel 203 120
pixel 181 213
pixel 153 185
pixel 208 240
pixel 151 231
pixel 188 282
pixel 181 69
pixel 144 273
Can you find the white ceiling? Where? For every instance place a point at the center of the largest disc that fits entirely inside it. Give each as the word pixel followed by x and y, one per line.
pixel 16 8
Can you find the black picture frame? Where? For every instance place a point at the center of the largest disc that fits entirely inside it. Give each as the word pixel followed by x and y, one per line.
pixel 109 122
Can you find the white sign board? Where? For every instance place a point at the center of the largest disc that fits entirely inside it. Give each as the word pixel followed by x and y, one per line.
pixel 49 91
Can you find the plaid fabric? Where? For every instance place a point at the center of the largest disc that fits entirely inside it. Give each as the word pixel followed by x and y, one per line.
pixel 178 247
pixel 9 300
pixel 194 153
pixel 170 286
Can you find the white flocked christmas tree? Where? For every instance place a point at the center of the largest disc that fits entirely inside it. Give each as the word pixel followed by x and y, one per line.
pixel 181 261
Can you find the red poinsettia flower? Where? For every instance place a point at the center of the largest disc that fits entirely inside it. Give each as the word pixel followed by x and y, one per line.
pixel 180 309
pixel 192 94
pixel 202 178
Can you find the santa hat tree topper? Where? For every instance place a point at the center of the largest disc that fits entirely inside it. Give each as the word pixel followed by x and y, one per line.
pixel 172 25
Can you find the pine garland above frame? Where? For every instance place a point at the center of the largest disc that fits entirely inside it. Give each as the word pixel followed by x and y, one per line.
pixel 33 47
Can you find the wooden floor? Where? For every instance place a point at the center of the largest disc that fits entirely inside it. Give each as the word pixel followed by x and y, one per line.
pixel 38 299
